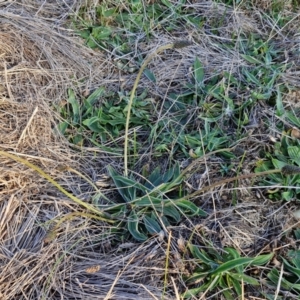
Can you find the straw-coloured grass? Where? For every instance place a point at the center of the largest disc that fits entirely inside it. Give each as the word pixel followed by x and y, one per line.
pixel 38 63
pixel 40 59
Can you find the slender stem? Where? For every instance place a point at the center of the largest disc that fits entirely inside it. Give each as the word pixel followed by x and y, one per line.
pixel 23 161
pixel 227 180
pixel 177 44
pixel 138 77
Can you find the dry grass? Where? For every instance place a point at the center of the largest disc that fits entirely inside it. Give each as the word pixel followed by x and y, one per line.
pixel 39 60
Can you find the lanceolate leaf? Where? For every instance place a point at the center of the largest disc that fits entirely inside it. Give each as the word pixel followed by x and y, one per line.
pixel 148 201
pixel 153 179
pixel 94 125
pixel 251 77
pixel 126 190
pixel 231 281
pixel 245 278
pixel 251 59
pixel 190 208
pixel 75 105
pixel 126 187
pixel 232 253
pixel 232 264
pixel 261 259
pixel 198 71
pixel 294 153
pixel 191 293
pixel 164 181
pixel 166 177
pixel 94 97
pixel 170 211
pixel 152 225
pixel 198 254
pixel 150 75
pixel 279 105
pixel 294 255
pixel 292 269
pixel 133 227
pixel 274 277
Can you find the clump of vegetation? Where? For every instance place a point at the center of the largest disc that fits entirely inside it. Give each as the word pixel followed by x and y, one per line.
pixel 222 272
pixel 208 113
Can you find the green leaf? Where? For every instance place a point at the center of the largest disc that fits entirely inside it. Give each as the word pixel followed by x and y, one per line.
pixel 297 236
pixel 94 97
pixel 251 77
pixel 274 277
pixel 165 221
pixel 84 33
pixel 279 104
pixel 190 209
pixel 260 96
pixel 278 164
pixel 287 195
pixel 251 59
pixel 294 255
pixel 151 224
pixel 75 105
pixel 268 59
pixel 126 186
pixel 62 127
pixel 191 293
pixel 94 125
pixel 199 255
pixel 150 75
pixel 109 12
pixel 232 253
pixel 133 227
pixel 170 211
pixel 166 177
pixel 261 259
pixel 270 84
pixel 292 269
pixel 228 295
pixel 245 278
pixel 101 33
pixel 294 153
pixel 154 178
pixel 198 71
pixel 293 118
pixel 167 3
pixel 114 122
pixel 148 201
pixel 90 42
pixel 196 277
pixel 235 283
pixel 232 264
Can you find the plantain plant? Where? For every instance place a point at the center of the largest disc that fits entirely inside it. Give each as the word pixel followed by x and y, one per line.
pixel 221 272
pixel 286 152
pixel 149 207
